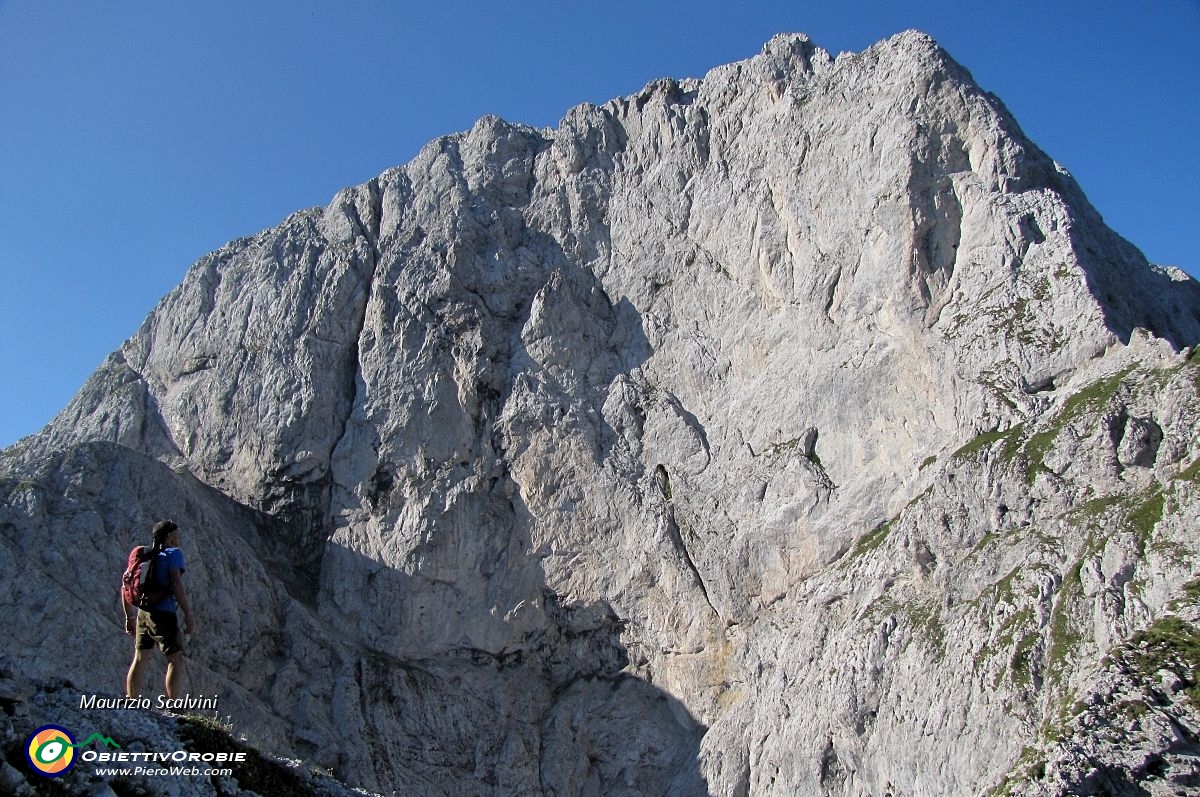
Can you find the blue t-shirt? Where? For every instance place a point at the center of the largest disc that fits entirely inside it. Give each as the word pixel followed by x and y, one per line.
pixel 169 559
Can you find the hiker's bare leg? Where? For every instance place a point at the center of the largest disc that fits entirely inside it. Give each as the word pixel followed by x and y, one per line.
pixel 173 682
pixel 133 678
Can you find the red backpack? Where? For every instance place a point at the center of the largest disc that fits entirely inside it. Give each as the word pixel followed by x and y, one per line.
pixel 138 585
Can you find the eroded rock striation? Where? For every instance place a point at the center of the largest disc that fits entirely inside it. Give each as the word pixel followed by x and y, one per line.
pixel 797 430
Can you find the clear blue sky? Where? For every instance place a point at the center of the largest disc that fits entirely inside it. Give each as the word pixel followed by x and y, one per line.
pixel 135 136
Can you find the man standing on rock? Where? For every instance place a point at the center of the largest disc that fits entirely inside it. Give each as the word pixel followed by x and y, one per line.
pixel 159 625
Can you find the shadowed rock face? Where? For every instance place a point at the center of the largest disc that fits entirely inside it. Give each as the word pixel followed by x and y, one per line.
pixel 779 432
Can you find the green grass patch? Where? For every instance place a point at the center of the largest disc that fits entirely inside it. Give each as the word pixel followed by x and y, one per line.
pixel 1191 473
pixel 1035 452
pixel 1191 591
pixel 1021 662
pixel 1064 637
pixel 1030 765
pixel 1137 514
pixel 984 542
pixel 1089 513
pixel 257 773
pixel 1003 591
pixel 1008 633
pixel 1172 644
pixel 923 620
pixel 984 441
pixel 1091 399
pixel 872 539
pixel 926 622
pixel 1190 596
pixel 1143 514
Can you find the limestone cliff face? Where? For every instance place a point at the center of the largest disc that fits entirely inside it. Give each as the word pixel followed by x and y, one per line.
pixel 800 429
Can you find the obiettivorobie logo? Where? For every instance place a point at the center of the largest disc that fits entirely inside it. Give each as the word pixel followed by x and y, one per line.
pixel 51 750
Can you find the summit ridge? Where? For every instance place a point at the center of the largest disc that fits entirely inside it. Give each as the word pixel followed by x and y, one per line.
pixel 796 429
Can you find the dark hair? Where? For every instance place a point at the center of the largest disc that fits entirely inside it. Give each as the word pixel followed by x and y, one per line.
pixel 162 530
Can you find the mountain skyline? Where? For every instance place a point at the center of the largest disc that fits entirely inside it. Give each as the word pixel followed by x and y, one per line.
pixel 162 134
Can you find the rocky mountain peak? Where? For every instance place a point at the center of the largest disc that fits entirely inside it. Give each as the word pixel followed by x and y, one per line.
pixel 771 432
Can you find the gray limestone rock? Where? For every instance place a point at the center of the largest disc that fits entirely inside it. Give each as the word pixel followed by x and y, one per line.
pixel 800 429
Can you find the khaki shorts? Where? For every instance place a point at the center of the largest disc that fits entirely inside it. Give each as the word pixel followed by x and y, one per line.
pixel 158 628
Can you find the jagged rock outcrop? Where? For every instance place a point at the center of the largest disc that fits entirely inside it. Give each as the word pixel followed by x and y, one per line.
pixel 779 432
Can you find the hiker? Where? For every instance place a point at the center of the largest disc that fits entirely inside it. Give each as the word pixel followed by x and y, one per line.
pixel 158 625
